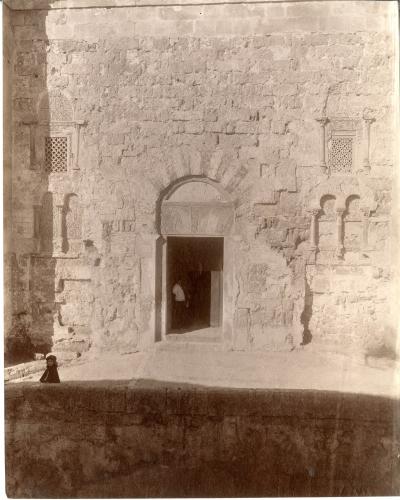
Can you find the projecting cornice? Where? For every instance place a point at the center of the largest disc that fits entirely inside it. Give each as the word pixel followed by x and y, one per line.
pixel 84 4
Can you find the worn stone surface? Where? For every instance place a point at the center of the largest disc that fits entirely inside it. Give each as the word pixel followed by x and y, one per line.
pixel 138 100
pixel 110 440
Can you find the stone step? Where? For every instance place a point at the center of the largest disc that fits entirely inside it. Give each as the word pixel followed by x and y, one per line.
pixel 182 345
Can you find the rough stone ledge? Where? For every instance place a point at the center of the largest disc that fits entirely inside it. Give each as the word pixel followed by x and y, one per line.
pixel 71 400
pixel 24 369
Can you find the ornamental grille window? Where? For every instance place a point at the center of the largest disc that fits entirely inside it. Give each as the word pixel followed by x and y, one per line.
pixel 56 154
pixel 341 154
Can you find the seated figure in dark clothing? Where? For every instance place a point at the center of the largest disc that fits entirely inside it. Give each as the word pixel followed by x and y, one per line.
pixel 50 376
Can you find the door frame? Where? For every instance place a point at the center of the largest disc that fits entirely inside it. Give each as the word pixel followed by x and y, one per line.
pixel 167 284
pixel 228 292
pixel 189 218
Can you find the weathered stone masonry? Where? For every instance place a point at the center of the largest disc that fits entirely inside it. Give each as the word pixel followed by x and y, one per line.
pixel 284 112
pixel 99 440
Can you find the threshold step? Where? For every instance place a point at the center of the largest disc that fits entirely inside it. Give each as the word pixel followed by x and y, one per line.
pixel 182 345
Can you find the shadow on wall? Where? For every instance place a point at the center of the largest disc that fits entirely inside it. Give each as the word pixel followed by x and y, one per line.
pixel 381 343
pixel 30 266
pixel 112 439
pixel 306 315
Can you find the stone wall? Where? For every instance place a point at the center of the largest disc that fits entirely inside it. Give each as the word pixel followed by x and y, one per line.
pixel 288 108
pixel 98 440
pixel 7 150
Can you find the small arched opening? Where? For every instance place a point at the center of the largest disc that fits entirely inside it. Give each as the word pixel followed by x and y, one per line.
pixel 353 224
pixel 327 223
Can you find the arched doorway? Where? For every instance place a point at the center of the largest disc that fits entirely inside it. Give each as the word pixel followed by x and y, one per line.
pixel 196 219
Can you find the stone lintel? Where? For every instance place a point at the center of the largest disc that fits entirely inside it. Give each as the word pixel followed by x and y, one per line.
pixel 82 4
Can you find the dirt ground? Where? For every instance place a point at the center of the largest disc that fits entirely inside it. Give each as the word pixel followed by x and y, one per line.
pixel 300 369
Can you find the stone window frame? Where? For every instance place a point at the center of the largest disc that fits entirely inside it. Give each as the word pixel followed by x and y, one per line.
pixel 53 150
pixel 356 128
pixel 70 130
pixel 341 135
pixel 42 134
pixel 40 129
pixel 349 128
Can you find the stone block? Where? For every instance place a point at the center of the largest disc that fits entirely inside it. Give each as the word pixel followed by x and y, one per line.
pixel 289 203
pixel 194 127
pixel 205 27
pixel 286 178
pixel 321 284
pixel 76 69
pixel 115 139
pixel 301 24
pixel 246 127
pixel 308 9
pixel 271 11
pixel 61 31
pixel 243 11
pixel 210 115
pixel 64 355
pixel 242 328
pixel 278 126
pixel 18 18
pixel 343 23
pixel 29 33
pixel 146 401
pixel 164 28
pixel 179 12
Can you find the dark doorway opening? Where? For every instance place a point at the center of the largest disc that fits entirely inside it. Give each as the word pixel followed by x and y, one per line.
pixel 194 283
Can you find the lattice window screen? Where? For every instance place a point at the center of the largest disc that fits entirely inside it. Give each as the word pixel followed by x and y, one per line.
pixel 341 154
pixel 56 154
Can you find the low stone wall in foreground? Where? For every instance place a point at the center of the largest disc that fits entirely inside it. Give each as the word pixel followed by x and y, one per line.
pixel 111 439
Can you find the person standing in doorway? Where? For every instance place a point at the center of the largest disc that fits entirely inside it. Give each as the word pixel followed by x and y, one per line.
pixel 179 302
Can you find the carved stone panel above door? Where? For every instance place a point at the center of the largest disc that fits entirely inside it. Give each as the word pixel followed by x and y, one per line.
pixel 201 219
